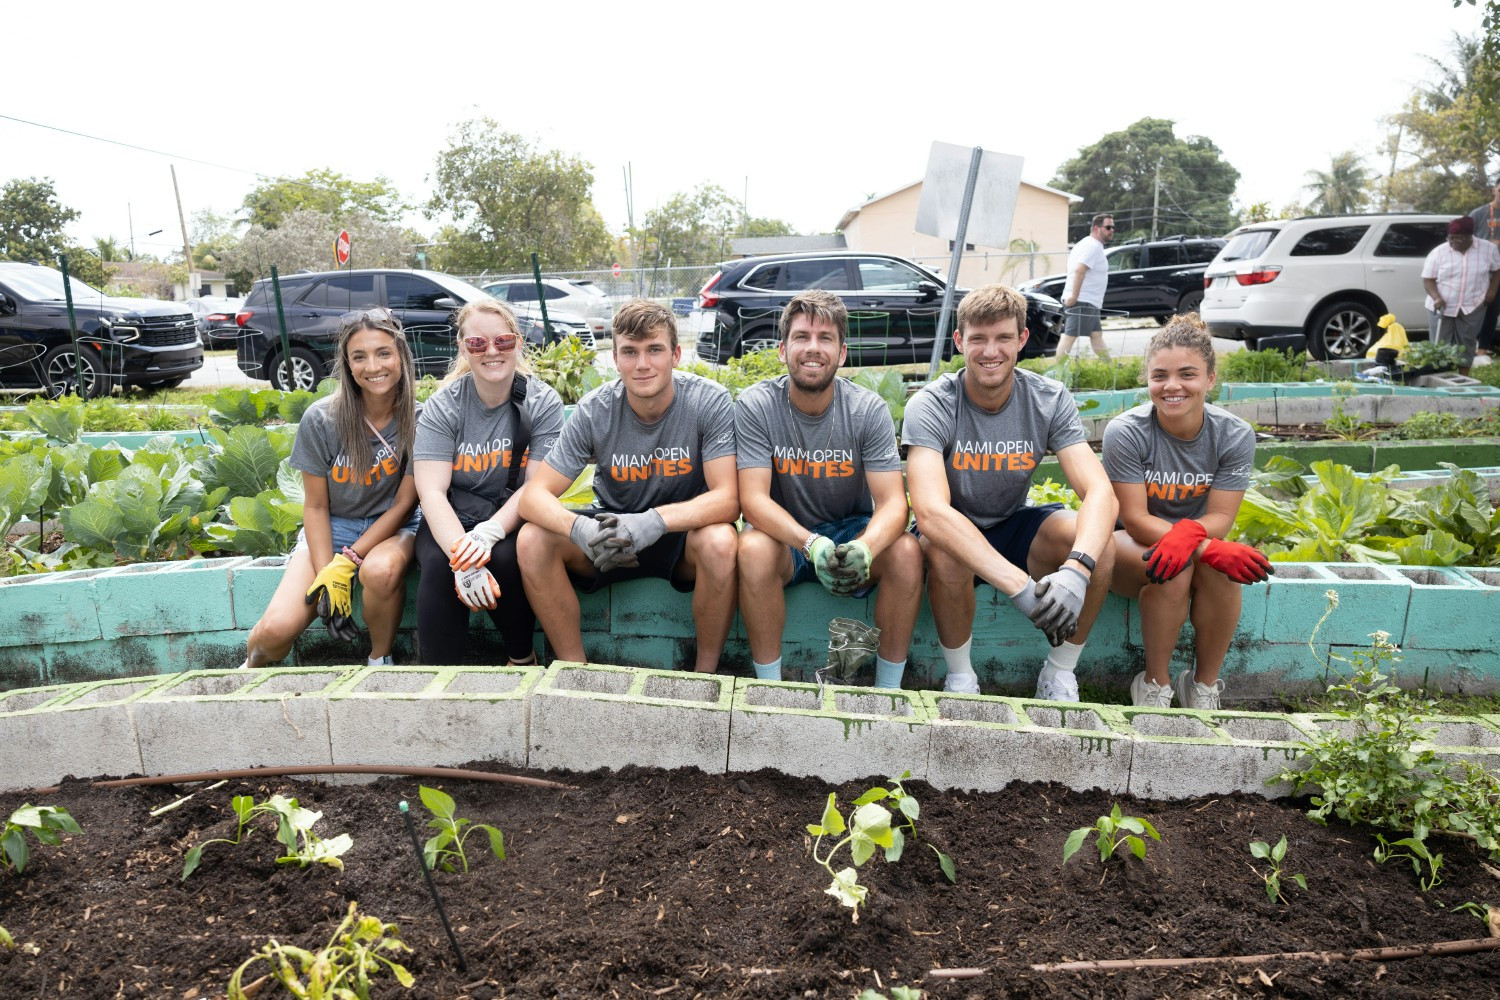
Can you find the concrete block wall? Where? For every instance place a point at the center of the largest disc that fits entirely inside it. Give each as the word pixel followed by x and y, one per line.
pixel 580 717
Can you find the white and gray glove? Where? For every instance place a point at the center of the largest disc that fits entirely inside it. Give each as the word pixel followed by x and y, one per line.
pixel 640 531
pixel 473 548
pixel 1059 603
pixel 476 588
pixel 1026 601
pixel 598 537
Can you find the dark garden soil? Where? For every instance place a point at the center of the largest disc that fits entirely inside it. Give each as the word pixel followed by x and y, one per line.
pixel 675 884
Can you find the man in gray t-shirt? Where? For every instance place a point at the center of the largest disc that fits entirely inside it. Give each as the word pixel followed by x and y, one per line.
pixel 973 440
pixel 820 483
pixel 662 443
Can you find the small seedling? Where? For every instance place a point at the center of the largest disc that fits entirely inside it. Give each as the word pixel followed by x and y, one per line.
pixel 1110 832
pixel 1272 879
pixel 46 823
pixel 869 827
pixel 448 843
pixel 293 830
pixel 1417 853
pixel 910 810
pixel 6 941
pixel 340 971
pixel 897 993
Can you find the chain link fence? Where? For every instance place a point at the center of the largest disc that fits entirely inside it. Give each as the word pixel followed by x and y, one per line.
pixel 641 282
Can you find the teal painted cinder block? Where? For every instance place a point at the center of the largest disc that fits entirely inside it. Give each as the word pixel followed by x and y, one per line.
pixel 22 666
pixel 1466 453
pixel 646 607
pixel 809 609
pixel 651 652
pixel 1441 612
pixel 163 598
pixel 51 607
pixel 101 659
pixel 1295 600
pixel 251 586
pixel 206 650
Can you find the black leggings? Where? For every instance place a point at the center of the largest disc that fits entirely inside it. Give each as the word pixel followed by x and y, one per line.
pixel 443 620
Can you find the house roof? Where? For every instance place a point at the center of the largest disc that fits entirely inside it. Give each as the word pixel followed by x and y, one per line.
pixel 848 216
pixel 754 246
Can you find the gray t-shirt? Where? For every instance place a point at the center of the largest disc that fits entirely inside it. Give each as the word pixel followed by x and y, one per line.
pixel 1178 474
pixel 457 427
pixel 641 465
pixel 318 451
pixel 818 464
pixel 989 457
pixel 1486 223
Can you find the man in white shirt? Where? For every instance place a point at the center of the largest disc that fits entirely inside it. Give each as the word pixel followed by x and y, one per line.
pixel 1461 277
pixel 1083 295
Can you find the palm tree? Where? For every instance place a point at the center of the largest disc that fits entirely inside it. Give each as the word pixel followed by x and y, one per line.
pixel 1341 189
pixel 108 248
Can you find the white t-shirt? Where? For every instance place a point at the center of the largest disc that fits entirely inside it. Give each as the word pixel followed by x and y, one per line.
pixel 1088 251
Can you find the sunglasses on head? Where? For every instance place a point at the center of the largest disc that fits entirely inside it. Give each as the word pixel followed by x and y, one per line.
pixel 378 317
pixel 478 345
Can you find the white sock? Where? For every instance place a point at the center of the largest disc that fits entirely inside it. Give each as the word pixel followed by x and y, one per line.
pixel 1065 657
pixel 768 671
pixel 957 658
pixel 379 661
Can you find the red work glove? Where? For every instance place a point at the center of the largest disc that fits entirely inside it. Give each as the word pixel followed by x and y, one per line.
pixel 1174 551
pixel 1238 561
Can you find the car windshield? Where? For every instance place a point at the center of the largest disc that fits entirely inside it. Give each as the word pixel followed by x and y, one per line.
pixel 43 283
pixel 1247 245
pixel 462 290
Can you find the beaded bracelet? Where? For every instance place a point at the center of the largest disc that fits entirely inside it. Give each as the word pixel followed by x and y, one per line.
pixel 352 556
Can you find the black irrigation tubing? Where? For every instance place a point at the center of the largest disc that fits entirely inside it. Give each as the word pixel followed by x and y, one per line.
pixel 451 773
pixel 416 845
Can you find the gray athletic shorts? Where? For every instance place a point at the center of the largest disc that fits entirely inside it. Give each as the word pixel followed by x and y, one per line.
pixel 1082 320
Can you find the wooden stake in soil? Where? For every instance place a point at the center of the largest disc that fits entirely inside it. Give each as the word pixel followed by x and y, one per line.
pixel 437 900
pixel 1357 955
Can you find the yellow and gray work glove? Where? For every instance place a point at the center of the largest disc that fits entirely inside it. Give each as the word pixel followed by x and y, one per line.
pixel 597 537
pixel 476 588
pixel 851 567
pixel 819 551
pixel 331 587
pixel 473 547
pixel 1059 603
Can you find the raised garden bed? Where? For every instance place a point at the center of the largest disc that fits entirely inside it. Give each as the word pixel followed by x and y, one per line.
pixel 679 884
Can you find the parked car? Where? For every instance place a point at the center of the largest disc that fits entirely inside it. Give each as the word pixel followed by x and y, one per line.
pixel 215 315
pixel 893 305
pixel 121 341
pixel 580 298
pixel 1321 282
pixel 1156 278
pixel 564 324
pixel 314 303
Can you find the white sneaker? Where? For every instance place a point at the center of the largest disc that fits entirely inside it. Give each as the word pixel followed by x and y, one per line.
pixel 961 684
pixel 384 661
pixel 1191 694
pixel 1056 685
pixel 1144 694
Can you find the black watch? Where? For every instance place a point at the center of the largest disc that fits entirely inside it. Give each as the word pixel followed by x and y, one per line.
pixel 1084 558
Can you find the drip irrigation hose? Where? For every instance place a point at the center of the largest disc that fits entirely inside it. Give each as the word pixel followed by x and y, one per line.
pixel 450 773
pixel 416 845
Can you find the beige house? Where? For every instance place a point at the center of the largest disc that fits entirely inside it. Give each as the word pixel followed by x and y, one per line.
pixel 886 224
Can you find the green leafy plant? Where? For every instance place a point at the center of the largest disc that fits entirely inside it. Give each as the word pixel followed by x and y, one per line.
pixel 1413 849
pixel 448 843
pixel 567 366
pixel 1425 425
pixel 143 514
pixel 1110 833
pixel 6 941
pixel 295 403
pixel 888 385
pixel 909 810
pixel 739 374
pixel 60 420
pixel 1089 374
pixel 232 406
pixel 1050 491
pixel 45 823
pixel 1274 855
pixel 425 387
pixel 340 970
pixel 897 993
pixel 1343 424
pixel 1265 366
pixel 293 831
pixel 264 525
pixel 246 459
pixel 1430 354
pixel 869 827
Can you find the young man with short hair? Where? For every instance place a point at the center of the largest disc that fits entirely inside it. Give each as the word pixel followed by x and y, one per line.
pixel 820 483
pixel 973 439
pixel 663 443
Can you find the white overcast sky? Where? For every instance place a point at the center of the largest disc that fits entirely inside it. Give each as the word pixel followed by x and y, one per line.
pixel 808 106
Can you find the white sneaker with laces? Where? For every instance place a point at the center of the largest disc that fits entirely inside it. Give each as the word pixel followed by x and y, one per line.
pixel 1053 684
pixel 384 661
pixel 1191 694
pixel 961 684
pixel 1144 694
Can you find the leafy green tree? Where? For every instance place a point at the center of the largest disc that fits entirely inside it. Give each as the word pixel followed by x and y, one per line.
pixel 305 240
pixel 213 236
pixel 507 199
pixel 326 191
pixel 1118 174
pixel 1342 188
pixel 696 227
pixel 32 221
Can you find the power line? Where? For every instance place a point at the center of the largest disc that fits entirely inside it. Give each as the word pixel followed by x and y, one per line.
pixel 128 145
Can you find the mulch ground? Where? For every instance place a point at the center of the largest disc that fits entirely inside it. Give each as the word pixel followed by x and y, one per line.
pixel 644 883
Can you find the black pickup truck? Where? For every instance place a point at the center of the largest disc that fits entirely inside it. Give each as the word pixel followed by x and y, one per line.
pixel 1156 278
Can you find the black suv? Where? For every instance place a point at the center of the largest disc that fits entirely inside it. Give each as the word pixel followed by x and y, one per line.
pixel 1157 278
pixel 893 306
pixel 424 301
pixel 121 341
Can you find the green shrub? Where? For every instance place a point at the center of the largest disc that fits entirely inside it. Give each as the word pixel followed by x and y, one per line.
pixel 1089 374
pixel 740 373
pixel 1488 374
pixel 1265 366
pixel 1425 425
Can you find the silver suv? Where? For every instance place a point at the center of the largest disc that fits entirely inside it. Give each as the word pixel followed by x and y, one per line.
pixel 1321 283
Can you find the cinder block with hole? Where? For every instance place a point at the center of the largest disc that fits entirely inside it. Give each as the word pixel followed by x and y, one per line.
pixel 83 730
pixel 833 732
pixel 984 743
pixel 1181 754
pixel 588 716
pixel 165 598
pixel 50 607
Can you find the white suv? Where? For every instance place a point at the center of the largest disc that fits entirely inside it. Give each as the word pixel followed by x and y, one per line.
pixel 1321 282
pixel 583 298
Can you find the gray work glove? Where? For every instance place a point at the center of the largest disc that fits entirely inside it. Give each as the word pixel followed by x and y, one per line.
pixel 591 535
pixel 641 531
pixel 1059 603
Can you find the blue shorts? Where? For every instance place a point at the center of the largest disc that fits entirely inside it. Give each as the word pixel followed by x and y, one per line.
pixel 1013 536
pixel 346 530
pixel 845 530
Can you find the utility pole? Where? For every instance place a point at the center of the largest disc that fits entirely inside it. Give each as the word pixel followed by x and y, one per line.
pixel 187 248
pixel 1155 197
pixel 130 221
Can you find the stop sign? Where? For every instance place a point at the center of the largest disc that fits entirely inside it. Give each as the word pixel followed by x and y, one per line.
pixel 616 270
pixel 341 248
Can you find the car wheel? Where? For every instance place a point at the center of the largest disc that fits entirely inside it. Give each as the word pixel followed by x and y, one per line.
pixel 758 339
pixel 1191 303
pixel 1161 320
pixel 1341 330
pixel 304 371
pixel 61 367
